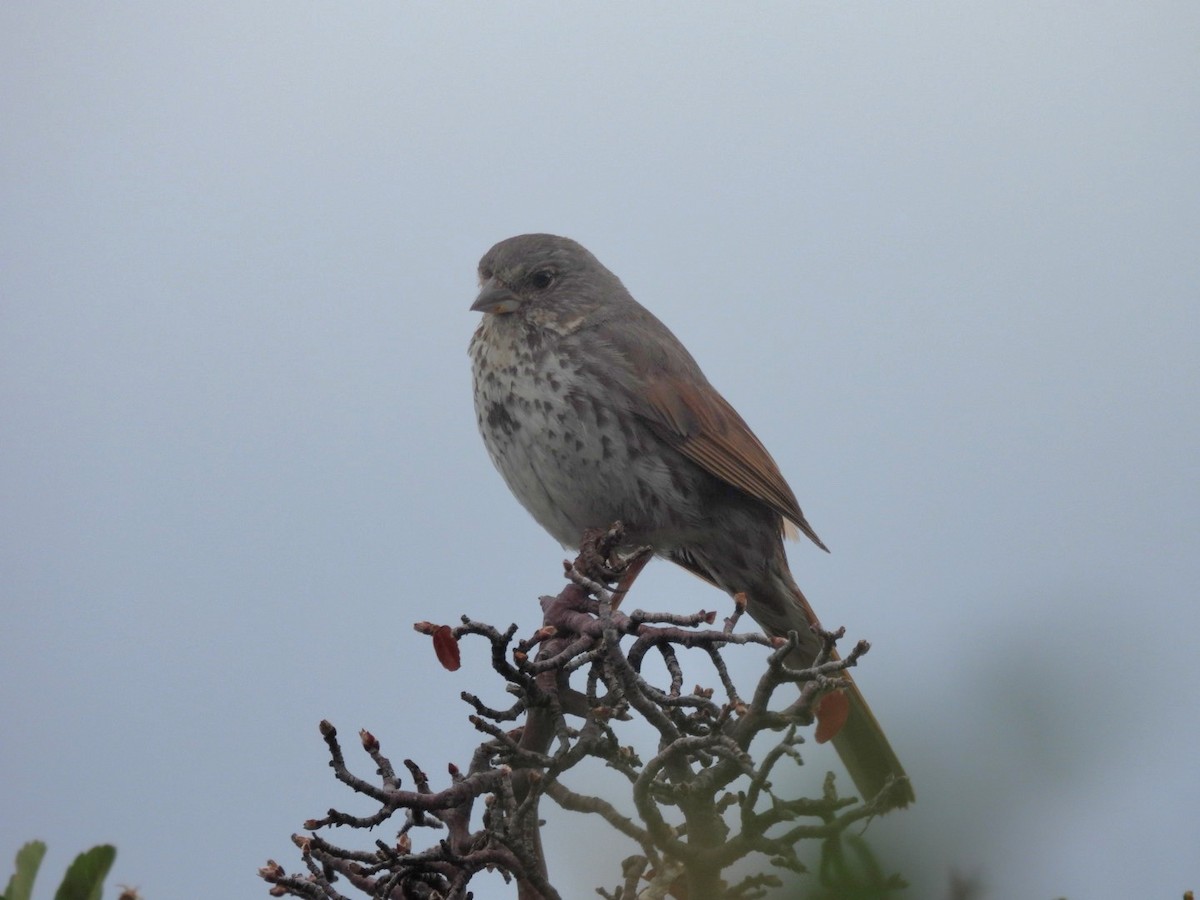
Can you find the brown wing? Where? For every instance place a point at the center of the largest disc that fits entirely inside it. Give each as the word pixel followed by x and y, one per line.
pixel 702 425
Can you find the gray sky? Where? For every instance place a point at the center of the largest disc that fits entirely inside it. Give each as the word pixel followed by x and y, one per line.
pixel 942 257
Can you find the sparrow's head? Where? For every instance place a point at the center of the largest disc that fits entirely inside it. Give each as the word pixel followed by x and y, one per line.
pixel 545 279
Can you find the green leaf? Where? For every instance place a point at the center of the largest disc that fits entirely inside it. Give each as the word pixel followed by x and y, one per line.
pixel 85 876
pixel 29 857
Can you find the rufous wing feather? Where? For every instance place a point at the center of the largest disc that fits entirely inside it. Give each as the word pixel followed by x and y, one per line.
pixel 701 425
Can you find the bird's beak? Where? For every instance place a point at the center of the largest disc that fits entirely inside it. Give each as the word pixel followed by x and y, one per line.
pixel 495 298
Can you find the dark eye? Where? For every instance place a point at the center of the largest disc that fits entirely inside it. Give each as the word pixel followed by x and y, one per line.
pixel 541 279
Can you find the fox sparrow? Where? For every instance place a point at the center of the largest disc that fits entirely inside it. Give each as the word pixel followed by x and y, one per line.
pixel 594 413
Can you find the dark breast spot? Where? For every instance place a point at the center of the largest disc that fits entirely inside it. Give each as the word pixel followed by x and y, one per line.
pixel 500 419
pixel 533 339
pixel 599 412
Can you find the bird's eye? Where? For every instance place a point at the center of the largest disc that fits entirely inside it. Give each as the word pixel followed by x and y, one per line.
pixel 541 279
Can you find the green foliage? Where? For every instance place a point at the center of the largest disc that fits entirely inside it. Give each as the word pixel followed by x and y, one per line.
pixel 84 879
pixel 85 876
pixel 29 857
pixel 850 870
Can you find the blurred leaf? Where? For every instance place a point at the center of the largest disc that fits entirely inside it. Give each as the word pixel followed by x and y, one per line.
pixel 850 870
pixel 29 858
pixel 85 876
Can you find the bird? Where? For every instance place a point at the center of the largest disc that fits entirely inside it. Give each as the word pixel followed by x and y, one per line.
pixel 594 413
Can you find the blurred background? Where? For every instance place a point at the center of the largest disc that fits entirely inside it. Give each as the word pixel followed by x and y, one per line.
pixel 942 257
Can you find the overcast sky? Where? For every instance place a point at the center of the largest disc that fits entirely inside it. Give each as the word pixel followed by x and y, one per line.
pixel 943 257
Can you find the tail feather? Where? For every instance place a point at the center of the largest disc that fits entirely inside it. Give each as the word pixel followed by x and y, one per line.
pixel 867 755
pixel 779 606
pixel 861 743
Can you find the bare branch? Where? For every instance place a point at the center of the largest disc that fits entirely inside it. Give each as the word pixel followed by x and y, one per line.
pixel 700 802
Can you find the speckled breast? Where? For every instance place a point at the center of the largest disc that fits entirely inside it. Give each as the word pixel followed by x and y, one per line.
pixel 552 432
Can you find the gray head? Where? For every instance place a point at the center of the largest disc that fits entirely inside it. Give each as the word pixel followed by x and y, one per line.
pixel 543 277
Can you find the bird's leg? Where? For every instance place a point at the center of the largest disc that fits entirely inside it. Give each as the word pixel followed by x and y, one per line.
pixel 600 559
pixel 633 566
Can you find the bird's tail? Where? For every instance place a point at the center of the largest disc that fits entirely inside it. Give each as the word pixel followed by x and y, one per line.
pixel 860 742
pixel 867 755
